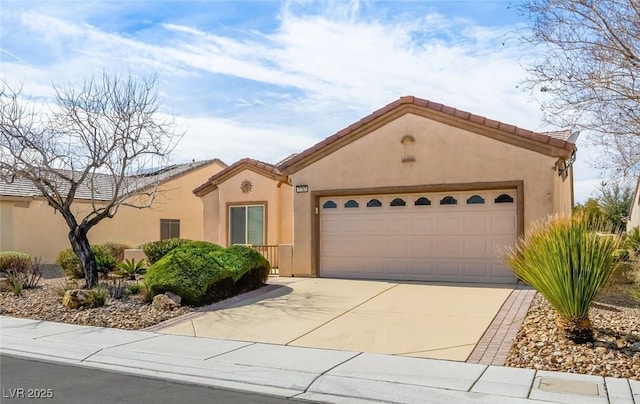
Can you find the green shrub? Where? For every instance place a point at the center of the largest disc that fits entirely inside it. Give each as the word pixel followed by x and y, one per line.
pixel 568 262
pixel 70 263
pixel 202 272
pixel 157 249
pixel 105 263
pixel 97 296
pixel 133 289
pixel 632 239
pixel 12 259
pixel 621 255
pixel 116 249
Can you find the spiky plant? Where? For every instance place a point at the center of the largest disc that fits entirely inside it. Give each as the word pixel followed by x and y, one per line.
pixel 568 261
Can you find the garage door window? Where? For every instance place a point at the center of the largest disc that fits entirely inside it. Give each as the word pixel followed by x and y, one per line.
pixel 374 203
pixel 448 200
pixel 351 204
pixel 329 205
pixel 246 224
pixel 422 201
pixel 398 202
pixel 503 198
pixel 475 199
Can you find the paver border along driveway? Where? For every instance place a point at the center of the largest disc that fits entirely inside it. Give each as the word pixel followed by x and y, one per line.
pixel 430 320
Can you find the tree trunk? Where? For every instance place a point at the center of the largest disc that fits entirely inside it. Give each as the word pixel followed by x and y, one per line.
pixel 579 330
pixel 82 248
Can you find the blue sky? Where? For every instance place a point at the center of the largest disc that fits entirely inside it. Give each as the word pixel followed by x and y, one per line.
pixel 264 79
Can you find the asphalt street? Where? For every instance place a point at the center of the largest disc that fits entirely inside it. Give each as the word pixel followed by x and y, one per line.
pixel 31 381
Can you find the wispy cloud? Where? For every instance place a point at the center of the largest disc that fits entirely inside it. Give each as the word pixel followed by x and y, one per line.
pixel 267 90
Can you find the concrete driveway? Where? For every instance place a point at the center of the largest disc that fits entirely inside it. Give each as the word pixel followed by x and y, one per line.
pixel 430 320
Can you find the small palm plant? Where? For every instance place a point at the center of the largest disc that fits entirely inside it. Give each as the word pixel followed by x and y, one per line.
pixel 568 261
pixel 131 268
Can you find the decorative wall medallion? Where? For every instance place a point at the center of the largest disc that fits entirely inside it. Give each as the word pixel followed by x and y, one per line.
pixel 246 186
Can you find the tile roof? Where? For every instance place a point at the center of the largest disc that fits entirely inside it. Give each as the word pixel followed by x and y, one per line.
pixel 100 186
pixel 260 167
pixel 555 139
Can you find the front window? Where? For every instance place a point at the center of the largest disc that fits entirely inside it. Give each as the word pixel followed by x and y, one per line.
pixel 246 224
pixel 169 228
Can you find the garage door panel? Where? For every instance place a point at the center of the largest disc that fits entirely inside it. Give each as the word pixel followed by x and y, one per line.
pixel 421 246
pixel 422 223
pixel 504 224
pixel 462 242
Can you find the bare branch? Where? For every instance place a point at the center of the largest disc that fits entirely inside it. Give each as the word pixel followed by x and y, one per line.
pixel 92 143
pixel 587 74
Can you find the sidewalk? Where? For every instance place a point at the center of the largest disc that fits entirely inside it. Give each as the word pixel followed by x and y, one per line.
pixel 304 373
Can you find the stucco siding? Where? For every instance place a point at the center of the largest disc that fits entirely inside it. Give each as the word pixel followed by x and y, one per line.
pixel 274 195
pixel 634 220
pixel 443 155
pixel 41 231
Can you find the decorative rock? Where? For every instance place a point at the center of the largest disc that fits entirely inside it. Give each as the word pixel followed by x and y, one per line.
pixel 173 297
pixel 75 298
pixel 164 302
pixel 5 284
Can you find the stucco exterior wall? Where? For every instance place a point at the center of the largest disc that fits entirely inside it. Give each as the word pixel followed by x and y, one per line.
pixel 40 231
pixel 276 196
pixel 634 219
pixel 443 155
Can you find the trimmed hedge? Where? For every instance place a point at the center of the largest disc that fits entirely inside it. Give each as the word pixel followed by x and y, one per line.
pixel 13 258
pixel 155 250
pixel 202 272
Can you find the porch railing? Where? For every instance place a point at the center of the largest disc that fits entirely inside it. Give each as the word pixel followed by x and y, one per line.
pixel 270 252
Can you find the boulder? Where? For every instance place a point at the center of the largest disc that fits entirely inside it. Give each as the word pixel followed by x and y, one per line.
pixel 164 302
pixel 173 297
pixel 76 298
pixel 5 284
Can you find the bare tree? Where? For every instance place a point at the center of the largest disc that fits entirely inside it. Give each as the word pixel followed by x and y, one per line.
pixel 588 72
pixel 93 142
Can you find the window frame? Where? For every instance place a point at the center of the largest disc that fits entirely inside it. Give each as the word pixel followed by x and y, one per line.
pixel 247 205
pixel 172 223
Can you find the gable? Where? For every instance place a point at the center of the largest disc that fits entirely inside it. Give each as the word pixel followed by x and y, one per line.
pixel 413 150
pixel 268 171
pixel 543 143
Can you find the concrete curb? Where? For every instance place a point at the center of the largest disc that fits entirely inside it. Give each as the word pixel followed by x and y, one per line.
pixel 304 373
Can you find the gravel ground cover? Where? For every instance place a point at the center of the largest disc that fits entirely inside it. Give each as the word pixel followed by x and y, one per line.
pixel 45 303
pixel 615 352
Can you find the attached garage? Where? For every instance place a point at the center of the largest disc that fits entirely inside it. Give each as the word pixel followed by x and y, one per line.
pixel 421 191
pixel 428 236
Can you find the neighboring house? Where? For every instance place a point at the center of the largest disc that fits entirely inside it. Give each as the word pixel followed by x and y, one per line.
pixel 414 191
pixel 634 214
pixel 28 224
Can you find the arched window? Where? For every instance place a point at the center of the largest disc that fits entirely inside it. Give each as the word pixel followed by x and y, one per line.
pixel 329 205
pixel 503 198
pixel 398 202
pixel 475 199
pixel 351 204
pixel 374 203
pixel 448 200
pixel 422 201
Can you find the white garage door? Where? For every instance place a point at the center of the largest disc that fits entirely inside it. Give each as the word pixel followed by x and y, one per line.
pixel 455 236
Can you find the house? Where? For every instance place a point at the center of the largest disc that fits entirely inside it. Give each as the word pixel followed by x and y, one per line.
pixel 28 224
pixel 634 214
pixel 415 191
